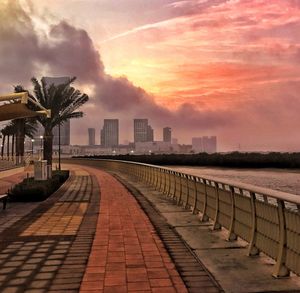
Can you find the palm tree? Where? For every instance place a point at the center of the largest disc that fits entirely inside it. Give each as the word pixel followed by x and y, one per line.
pixel 63 100
pixel 19 129
pixel 4 134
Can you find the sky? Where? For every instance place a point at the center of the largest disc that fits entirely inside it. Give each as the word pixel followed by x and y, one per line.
pixel 202 67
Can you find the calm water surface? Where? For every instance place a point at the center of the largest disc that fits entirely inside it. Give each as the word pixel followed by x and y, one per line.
pixel 279 179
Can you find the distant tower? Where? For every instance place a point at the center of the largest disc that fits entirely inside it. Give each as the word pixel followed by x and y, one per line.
pixel 92 134
pixel 209 144
pixel 65 127
pixel 197 144
pixel 150 133
pixel 110 133
pixel 142 131
pixel 167 134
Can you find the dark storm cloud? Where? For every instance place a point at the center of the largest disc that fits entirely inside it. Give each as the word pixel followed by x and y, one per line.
pixel 70 51
pixel 25 52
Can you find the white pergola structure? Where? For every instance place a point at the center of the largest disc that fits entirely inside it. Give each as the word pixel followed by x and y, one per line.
pixel 16 106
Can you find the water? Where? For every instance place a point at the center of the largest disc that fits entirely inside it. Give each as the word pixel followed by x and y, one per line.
pixel 278 179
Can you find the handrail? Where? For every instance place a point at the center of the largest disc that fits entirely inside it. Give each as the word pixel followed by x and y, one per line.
pixel 293 198
pixel 269 220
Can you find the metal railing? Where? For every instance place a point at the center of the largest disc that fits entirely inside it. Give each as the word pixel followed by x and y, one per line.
pixel 268 220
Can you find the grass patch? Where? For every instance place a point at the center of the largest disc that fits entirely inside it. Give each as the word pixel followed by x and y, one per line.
pixel 30 190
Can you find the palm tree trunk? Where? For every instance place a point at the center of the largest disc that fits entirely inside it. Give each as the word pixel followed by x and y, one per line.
pixel 20 140
pixel 13 147
pixel 48 145
pixel 7 148
pixel 2 147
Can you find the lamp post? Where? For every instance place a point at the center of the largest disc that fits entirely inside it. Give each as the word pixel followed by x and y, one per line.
pixel 32 141
pixel 41 137
pixel 59 167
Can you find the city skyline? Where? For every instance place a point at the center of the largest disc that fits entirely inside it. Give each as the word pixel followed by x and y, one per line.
pixel 223 67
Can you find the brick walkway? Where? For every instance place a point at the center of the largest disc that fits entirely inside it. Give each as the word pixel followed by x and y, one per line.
pixel 127 255
pixel 65 245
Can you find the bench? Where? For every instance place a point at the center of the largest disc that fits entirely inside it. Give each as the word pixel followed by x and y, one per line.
pixel 4 197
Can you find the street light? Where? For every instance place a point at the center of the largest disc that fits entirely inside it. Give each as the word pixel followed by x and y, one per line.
pixel 59 167
pixel 32 141
pixel 41 137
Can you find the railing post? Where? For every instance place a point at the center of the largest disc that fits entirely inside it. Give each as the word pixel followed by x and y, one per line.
pixel 195 195
pixel 204 217
pixel 161 171
pixel 187 192
pixel 174 194
pixel 280 270
pixel 156 178
pixel 180 189
pixel 217 225
pixel 151 176
pixel 165 183
pixel 253 250
pixel 231 235
pixel 169 190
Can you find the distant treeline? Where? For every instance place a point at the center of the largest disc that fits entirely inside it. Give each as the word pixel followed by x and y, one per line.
pixel 233 160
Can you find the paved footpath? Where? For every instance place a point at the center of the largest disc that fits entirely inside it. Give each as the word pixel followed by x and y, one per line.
pixel 127 254
pixel 84 239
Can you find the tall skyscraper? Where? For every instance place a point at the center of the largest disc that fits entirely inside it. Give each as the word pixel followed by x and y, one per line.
pixel 209 144
pixel 197 144
pixel 167 134
pixel 142 131
pixel 92 140
pixel 150 133
pixel 110 133
pixel 65 127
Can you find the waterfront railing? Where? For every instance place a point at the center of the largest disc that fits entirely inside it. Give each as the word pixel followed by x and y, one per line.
pixel 268 220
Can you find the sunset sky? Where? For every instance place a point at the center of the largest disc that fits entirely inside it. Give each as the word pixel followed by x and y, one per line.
pixel 203 67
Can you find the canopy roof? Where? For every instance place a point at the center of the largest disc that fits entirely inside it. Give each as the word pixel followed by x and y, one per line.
pixel 19 109
pixel 16 111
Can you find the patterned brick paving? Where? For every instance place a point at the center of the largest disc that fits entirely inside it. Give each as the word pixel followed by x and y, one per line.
pixel 46 248
pixel 127 254
pixel 65 245
pixel 196 278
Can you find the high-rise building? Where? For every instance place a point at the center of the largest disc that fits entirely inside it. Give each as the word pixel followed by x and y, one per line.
pixel 92 134
pixel 209 144
pixel 110 133
pixel 167 134
pixel 142 131
pixel 205 144
pixel 197 144
pixel 150 133
pixel 65 127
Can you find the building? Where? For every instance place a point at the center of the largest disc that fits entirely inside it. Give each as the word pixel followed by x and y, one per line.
pixel 204 144
pixel 150 133
pixel 110 133
pixel 142 131
pixel 157 147
pixel 197 144
pixel 167 134
pixel 65 127
pixel 174 141
pixel 92 136
pixel 209 144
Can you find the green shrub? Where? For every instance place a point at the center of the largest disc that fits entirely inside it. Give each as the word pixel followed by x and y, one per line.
pixel 30 190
